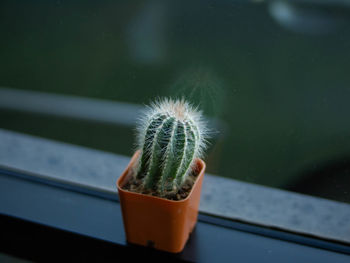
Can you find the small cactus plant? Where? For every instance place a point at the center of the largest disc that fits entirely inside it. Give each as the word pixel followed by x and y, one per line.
pixel 171 135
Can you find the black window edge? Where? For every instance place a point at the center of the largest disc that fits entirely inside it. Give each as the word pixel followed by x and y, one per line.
pixel 231 223
pixel 35 233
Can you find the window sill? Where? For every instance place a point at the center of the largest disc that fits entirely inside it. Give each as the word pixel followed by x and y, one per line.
pixel 38 174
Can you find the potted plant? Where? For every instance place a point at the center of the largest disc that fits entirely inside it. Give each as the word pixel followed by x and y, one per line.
pixel 160 189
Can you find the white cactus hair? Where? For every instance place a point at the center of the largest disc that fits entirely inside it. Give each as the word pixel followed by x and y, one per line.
pixel 183 111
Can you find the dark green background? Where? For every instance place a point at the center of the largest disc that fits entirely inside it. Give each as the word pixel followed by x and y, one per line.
pixel 281 97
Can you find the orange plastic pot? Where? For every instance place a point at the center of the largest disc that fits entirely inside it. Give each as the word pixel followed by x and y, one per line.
pixel 153 221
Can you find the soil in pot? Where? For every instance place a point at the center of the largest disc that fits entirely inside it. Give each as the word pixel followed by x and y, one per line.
pixel 135 185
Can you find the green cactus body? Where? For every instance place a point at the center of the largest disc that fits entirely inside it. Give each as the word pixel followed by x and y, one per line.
pixel 170 141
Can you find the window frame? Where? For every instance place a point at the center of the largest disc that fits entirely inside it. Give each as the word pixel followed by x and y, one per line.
pixel 49 219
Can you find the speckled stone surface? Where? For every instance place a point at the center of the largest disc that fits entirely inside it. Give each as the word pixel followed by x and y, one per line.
pixel 274 207
pixel 60 160
pixel 220 196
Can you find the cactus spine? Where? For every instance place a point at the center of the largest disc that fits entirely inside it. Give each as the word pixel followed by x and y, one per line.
pixel 171 136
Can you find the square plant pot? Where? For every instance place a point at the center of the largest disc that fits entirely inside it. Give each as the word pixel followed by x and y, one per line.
pixel 158 222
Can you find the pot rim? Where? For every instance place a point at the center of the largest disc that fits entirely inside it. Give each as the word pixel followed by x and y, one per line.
pixel 134 158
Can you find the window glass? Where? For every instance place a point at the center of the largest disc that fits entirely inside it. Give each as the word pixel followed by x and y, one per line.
pixel 271 76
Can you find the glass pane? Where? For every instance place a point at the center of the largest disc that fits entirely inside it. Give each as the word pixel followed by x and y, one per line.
pixel 272 76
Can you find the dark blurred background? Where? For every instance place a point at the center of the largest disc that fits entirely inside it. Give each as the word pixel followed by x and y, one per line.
pixel 272 77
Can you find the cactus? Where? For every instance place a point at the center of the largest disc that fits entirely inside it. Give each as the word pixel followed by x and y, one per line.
pixel 171 135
